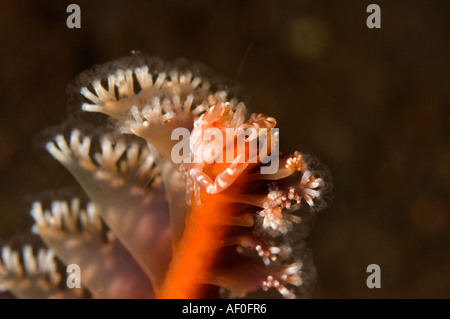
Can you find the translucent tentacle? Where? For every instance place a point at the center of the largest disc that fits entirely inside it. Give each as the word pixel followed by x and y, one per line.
pixel 76 236
pixel 34 276
pixel 135 213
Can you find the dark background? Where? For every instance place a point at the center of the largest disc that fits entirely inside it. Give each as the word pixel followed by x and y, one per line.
pixel 372 104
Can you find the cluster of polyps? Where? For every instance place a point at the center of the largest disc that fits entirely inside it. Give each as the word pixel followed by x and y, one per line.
pixel 139 237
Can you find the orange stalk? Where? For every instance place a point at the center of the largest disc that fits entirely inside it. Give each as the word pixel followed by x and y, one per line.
pixel 196 252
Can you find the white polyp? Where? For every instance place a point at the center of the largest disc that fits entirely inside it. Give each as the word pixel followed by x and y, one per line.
pixel 103 165
pixel 188 102
pixel 174 76
pixel 198 109
pixel 103 95
pixel 160 80
pixel 305 178
pixel 84 220
pixel 57 213
pixel 274 221
pixel 129 82
pixel 239 115
pixel 146 162
pixel 186 78
pixel 48 218
pixel 84 154
pixel 75 141
pixel 47 265
pixel 109 155
pixel 91 108
pixel 149 115
pixel 177 104
pixel 309 200
pixel 316 183
pixel 291 194
pixel 93 216
pixel 144 79
pixel 196 82
pixel 286 293
pixel 111 86
pixel 155 105
pixel 11 261
pixel 55 278
pixel 145 169
pixel 90 96
pixel 270 282
pixel 152 115
pixel 274 250
pixel 167 116
pixel 143 115
pixel 62 145
pixel 64 216
pixel 131 159
pixel 295 280
pixel 61 214
pixel 6 255
pixel 69 216
pixel 134 111
pixel 221 95
pixel 311 192
pixel 64 213
pixel 106 153
pixel 38 214
pixel 47 262
pixel 293 268
pixel 16 265
pixel 167 106
pixel 266 255
pixel 119 149
pixel 120 82
pixel 3 259
pixel 32 265
pixel 306 187
pixel 259 250
pixel 42 260
pixel 75 206
pixel 29 261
